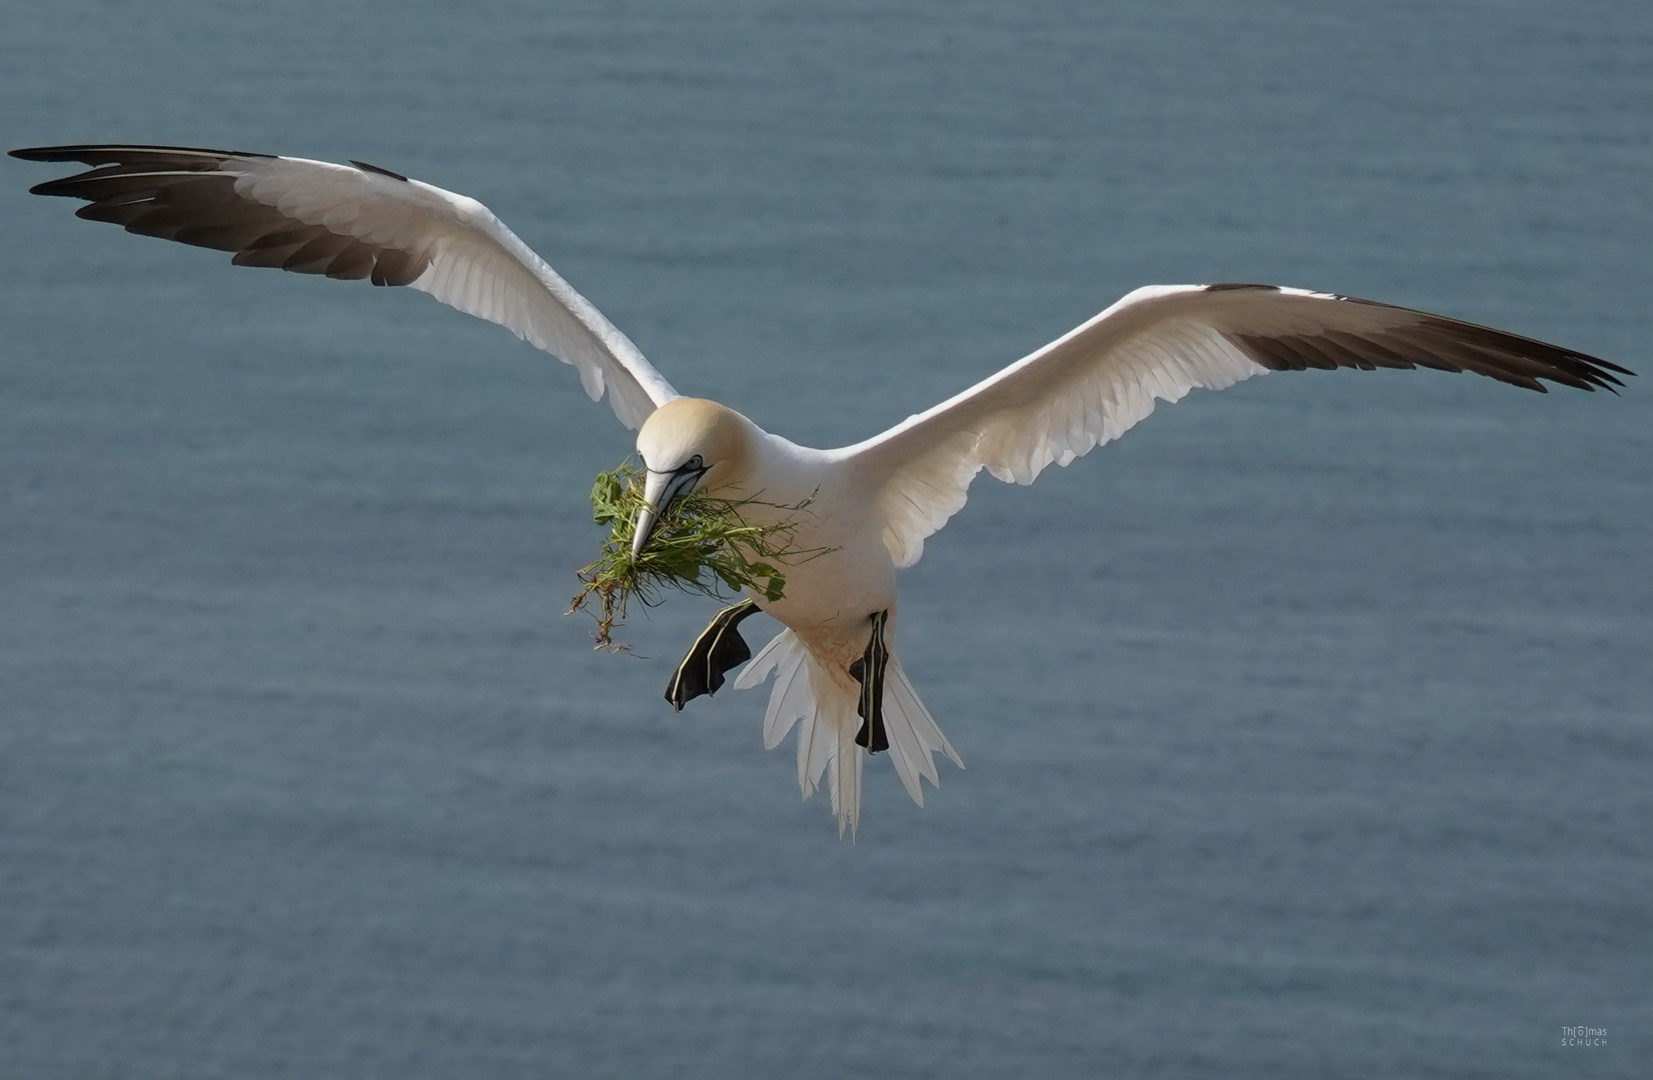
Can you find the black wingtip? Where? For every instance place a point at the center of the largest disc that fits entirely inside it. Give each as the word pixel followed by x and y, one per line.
pixel 365 167
pixel 1604 373
pixel 42 153
pixel 79 151
pixel 1235 286
pixel 1434 341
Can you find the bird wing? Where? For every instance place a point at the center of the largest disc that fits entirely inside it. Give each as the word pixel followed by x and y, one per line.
pixel 359 221
pixel 1093 384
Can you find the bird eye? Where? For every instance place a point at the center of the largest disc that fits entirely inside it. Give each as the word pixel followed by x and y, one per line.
pixel 694 463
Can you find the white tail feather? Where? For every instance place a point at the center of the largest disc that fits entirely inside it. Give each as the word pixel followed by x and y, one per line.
pixel 913 734
pixel 824 713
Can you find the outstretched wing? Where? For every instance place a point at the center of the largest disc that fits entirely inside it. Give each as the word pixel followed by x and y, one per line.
pixel 359 221
pixel 1093 384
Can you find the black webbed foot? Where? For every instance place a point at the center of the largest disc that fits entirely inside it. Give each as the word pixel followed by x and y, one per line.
pixel 717 650
pixel 869 672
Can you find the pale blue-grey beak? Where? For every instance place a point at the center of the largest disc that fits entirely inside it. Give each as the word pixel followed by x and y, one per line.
pixel 660 490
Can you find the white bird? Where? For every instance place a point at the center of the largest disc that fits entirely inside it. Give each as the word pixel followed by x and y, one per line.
pixel 871 505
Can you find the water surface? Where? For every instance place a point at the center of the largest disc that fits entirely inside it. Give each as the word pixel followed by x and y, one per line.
pixel 1308 726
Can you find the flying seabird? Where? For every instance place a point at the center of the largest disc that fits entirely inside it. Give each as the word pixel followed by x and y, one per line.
pixel 867 508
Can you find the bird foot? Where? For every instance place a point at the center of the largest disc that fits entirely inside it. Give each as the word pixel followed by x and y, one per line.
pixel 718 650
pixel 869 672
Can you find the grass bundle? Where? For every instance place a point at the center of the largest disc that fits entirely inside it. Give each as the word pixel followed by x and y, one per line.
pixel 701 544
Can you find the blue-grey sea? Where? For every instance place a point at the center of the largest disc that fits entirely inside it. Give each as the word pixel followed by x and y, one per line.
pixel 1309 727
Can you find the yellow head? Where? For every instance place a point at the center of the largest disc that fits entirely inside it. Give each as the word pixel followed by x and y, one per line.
pixel 689 444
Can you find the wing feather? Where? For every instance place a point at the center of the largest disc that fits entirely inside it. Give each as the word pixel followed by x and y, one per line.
pixel 353 222
pixel 1095 383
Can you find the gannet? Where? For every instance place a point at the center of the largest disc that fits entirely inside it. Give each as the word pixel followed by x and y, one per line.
pixel 867 508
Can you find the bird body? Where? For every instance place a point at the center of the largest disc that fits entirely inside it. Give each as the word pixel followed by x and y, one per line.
pixel 844 573
pixel 858 514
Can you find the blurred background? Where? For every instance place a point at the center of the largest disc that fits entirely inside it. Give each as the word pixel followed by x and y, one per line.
pixel 1307 727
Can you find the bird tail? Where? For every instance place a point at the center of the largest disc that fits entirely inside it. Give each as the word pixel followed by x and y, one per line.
pixel 825 714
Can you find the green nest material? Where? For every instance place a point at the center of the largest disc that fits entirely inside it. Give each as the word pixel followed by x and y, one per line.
pixel 701 544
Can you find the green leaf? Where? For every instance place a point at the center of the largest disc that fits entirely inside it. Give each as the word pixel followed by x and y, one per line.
pixel 701 545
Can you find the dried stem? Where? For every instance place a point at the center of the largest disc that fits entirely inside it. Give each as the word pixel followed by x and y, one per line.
pixel 701 544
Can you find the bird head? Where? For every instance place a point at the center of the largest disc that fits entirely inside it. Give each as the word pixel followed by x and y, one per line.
pixel 688 444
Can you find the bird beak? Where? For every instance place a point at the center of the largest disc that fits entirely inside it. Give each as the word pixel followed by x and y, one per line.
pixel 660 490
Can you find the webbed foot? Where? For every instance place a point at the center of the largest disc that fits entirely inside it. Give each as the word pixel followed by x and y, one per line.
pixel 717 650
pixel 869 672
